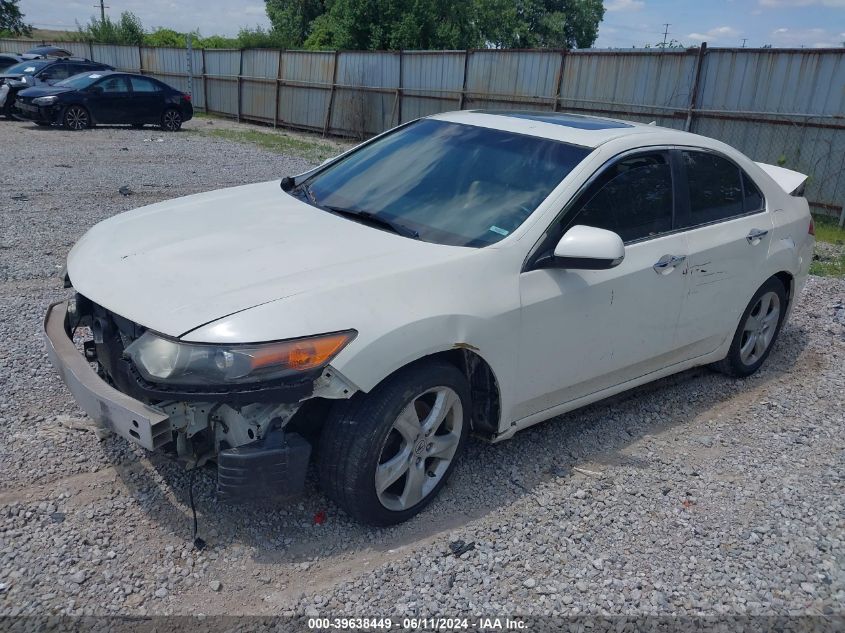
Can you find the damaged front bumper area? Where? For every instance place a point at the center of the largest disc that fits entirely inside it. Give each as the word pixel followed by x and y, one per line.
pixel 140 423
pixel 257 457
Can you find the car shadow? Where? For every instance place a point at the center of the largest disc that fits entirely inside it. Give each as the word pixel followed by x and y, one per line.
pixel 488 478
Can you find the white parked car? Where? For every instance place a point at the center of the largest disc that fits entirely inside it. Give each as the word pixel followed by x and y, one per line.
pixel 468 272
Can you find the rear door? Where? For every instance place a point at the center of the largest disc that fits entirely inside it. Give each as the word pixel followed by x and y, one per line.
pixel 110 104
pixel 729 232
pixel 147 100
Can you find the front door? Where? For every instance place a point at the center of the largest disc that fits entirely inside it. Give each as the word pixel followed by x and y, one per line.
pixel 587 330
pixel 109 102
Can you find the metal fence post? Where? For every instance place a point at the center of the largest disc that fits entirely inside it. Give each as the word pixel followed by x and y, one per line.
pixel 91 50
pixel 399 92
pixel 699 62
pixel 140 60
pixel 278 91
pixel 328 120
pixel 190 64
pixel 464 84
pixel 204 83
pixel 240 73
pixel 559 83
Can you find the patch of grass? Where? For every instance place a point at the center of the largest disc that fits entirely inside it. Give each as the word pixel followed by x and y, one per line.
pixel 278 142
pixel 828 230
pixel 828 266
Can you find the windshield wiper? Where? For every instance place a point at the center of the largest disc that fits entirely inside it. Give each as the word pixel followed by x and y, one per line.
pixel 365 217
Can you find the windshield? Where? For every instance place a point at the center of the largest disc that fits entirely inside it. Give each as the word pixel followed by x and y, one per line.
pixel 78 82
pixel 26 68
pixel 450 183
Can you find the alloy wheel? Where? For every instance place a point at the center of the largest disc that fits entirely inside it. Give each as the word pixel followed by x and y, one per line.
pixel 76 118
pixel 759 328
pixel 419 448
pixel 172 120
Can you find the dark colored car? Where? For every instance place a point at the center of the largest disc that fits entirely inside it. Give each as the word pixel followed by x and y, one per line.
pixel 47 51
pixel 106 97
pixel 8 60
pixel 39 72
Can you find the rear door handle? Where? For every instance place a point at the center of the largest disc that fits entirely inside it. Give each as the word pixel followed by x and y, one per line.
pixel 755 236
pixel 668 263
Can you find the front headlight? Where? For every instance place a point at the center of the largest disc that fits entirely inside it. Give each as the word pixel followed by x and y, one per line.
pixel 43 101
pixel 165 360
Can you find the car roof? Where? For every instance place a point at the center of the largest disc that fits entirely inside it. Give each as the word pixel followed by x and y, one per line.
pixel 576 129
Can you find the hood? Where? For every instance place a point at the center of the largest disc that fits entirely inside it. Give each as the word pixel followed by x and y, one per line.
pixel 179 264
pixel 43 91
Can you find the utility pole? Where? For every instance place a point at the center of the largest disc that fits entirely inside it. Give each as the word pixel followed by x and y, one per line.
pixel 665 33
pixel 744 40
pixel 103 8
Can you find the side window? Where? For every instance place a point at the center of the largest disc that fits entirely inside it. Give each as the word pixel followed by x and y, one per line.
pixel 715 188
pixel 140 84
pixel 752 198
pixel 633 198
pixel 112 85
pixel 55 72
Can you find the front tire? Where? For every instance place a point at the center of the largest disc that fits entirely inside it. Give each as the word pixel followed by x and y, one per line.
pixel 171 120
pixel 385 455
pixel 76 118
pixel 757 331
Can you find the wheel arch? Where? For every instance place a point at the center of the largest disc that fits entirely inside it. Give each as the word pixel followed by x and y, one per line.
pixel 788 281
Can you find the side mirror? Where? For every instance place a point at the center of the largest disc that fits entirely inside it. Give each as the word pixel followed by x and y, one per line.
pixel 589 248
pixel 95 90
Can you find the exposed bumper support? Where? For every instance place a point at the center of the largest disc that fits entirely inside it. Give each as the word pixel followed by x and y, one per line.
pixel 129 418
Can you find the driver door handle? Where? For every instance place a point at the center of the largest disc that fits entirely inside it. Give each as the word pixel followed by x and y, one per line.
pixel 668 263
pixel 755 235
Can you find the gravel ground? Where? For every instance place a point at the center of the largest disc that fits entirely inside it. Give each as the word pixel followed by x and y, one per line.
pixel 695 495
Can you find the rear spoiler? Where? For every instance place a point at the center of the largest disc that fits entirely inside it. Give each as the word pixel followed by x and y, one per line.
pixel 790 181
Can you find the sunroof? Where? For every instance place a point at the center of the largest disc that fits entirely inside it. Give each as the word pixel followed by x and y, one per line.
pixel 568 120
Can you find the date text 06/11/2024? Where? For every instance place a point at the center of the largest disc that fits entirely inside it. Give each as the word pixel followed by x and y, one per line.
pixel 418 624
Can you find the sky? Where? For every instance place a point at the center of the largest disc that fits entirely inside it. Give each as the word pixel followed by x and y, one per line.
pixel 781 23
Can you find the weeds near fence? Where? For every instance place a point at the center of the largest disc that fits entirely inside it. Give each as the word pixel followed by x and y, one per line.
pixel 829 258
pixel 277 142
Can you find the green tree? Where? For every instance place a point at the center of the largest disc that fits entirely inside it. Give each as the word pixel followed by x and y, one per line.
pixel 11 19
pixel 443 24
pixel 125 30
pixel 168 37
pixel 292 19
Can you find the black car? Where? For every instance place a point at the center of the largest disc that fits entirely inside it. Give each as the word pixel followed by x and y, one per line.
pixel 47 51
pixel 7 60
pixel 106 97
pixel 39 72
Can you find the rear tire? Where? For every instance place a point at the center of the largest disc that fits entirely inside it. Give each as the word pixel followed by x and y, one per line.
pixel 76 118
pixel 385 455
pixel 757 331
pixel 171 120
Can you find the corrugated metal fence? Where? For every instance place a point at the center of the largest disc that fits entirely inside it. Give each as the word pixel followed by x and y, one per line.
pixel 778 106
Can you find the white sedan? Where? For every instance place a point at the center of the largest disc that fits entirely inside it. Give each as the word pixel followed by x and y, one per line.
pixel 475 271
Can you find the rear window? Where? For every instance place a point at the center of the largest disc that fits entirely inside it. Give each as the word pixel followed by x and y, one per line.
pixel 715 188
pixel 142 84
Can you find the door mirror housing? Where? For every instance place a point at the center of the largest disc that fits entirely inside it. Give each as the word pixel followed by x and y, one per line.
pixel 95 90
pixel 589 248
